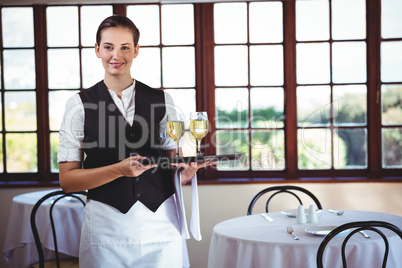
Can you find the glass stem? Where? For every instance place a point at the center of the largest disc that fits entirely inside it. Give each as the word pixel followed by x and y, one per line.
pixel 177 152
pixel 199 147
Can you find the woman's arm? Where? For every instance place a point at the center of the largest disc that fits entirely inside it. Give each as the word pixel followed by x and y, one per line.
pixel 73 178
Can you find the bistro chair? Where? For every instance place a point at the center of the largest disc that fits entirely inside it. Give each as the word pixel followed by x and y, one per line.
pixel 289 189
pixel 59 263
pixel 360 226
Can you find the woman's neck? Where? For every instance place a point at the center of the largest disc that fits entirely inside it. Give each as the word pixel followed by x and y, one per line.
pixel 118 84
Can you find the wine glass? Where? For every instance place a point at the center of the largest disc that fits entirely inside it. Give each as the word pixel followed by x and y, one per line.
pixel 199 127
pixel 175 128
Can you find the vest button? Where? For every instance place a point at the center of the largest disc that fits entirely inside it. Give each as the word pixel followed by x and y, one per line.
pixel 132 135
pixel 137 180
pixel 138 196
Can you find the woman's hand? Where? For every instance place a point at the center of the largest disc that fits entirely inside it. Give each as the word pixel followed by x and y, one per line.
pixel 188 170
pixel 132 167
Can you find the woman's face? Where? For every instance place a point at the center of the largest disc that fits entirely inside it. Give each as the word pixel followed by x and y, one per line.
pixel 116 50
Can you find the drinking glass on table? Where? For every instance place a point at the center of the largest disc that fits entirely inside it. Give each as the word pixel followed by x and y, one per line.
pixel 175 128
pixel 199 127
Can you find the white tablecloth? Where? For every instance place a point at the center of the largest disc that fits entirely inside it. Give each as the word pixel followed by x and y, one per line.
pixel 19 247
pixel 252 241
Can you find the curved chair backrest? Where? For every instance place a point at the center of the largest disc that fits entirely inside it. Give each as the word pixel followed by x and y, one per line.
pixel 60 194
pixel 360 226
pixel 282 189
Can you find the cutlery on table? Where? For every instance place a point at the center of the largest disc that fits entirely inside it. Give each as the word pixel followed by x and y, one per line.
pixel 268 218
pixel 337 212
pixel 289 229
pixel 365 234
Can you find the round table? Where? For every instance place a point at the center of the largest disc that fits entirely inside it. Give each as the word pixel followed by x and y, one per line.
pixel 252 241
pixel 19 246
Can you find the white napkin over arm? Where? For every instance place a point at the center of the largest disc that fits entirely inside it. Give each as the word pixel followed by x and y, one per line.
pixel 195 209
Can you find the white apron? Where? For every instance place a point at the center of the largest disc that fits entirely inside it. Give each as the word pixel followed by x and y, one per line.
pixel 140 238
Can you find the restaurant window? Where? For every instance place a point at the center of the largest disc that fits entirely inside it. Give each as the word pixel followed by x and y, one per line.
pixel 331 84
pixel 249 79
pixel 305 89
pixel 19 146
pixel 391 84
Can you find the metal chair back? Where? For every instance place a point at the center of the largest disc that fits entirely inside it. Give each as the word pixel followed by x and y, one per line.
pixel 289 189
pixel 359 226
pixel 60 194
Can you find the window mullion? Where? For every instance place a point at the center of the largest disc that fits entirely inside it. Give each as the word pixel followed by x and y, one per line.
pixel 42 91
pixel 289 39
pixel 374 85
pixel 205 71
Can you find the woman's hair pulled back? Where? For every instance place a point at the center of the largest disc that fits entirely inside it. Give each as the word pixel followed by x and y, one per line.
pixel 118 21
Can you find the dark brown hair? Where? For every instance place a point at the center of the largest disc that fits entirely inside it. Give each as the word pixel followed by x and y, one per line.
pixel 118 21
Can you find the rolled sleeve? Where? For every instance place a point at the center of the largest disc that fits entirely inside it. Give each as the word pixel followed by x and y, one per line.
pixel 71 133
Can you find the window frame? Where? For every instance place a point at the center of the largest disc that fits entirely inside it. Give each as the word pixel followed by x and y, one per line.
pixel 205 100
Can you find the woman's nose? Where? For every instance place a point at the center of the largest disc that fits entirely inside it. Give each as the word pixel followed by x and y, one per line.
pixel 116 53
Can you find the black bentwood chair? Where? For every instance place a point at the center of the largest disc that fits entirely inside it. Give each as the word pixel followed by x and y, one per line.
pixel 63 263
pixel 360 226
pixel 282 189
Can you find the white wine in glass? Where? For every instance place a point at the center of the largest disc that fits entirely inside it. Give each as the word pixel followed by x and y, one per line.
pixel 199 127
pixel 175 128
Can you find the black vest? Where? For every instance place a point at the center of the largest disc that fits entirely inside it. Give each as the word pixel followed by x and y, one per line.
pixel 108 139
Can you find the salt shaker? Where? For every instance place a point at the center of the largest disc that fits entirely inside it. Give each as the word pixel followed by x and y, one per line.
pixel 312 214
pixel 301 215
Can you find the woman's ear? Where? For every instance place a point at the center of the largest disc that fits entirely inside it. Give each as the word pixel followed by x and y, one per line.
pixel 137 50
pixel 97 52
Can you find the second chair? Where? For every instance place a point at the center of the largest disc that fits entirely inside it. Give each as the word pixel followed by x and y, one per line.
pixel 289 189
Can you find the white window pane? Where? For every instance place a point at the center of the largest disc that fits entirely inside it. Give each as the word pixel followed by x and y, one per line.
pixel 20 111
pixel 391 61
pixel 63 68
pixel 231 142
pixel 57 103
pixel 177 24
pixel 22 152
pixel 91 17
pixel 19 69
pixel 267 105
pixel 178 67
pixel 266 65
pixel 312 20
pixel 314 148
pixel 312 63
pixel 391 19
pixel 392 147
pixel 147 67
pixel 268 150
pixel 350 148
pixel 266 22
pixel 231 65
pixel 146 18
pixel 184 100
pixel 17 27
pixel 350 105
pixel 230 23
pixel 313 106
pixel 62 26
pixel 348 19
pixel 349 62
pixel 92 69
pixel 231 107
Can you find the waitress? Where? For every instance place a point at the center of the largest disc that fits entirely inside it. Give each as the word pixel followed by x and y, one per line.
pixel 134 215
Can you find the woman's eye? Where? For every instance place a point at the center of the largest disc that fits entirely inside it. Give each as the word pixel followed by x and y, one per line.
pixel 125 48
pixel 108 47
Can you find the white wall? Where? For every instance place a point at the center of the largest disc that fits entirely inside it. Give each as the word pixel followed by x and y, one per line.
pixel 222 202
